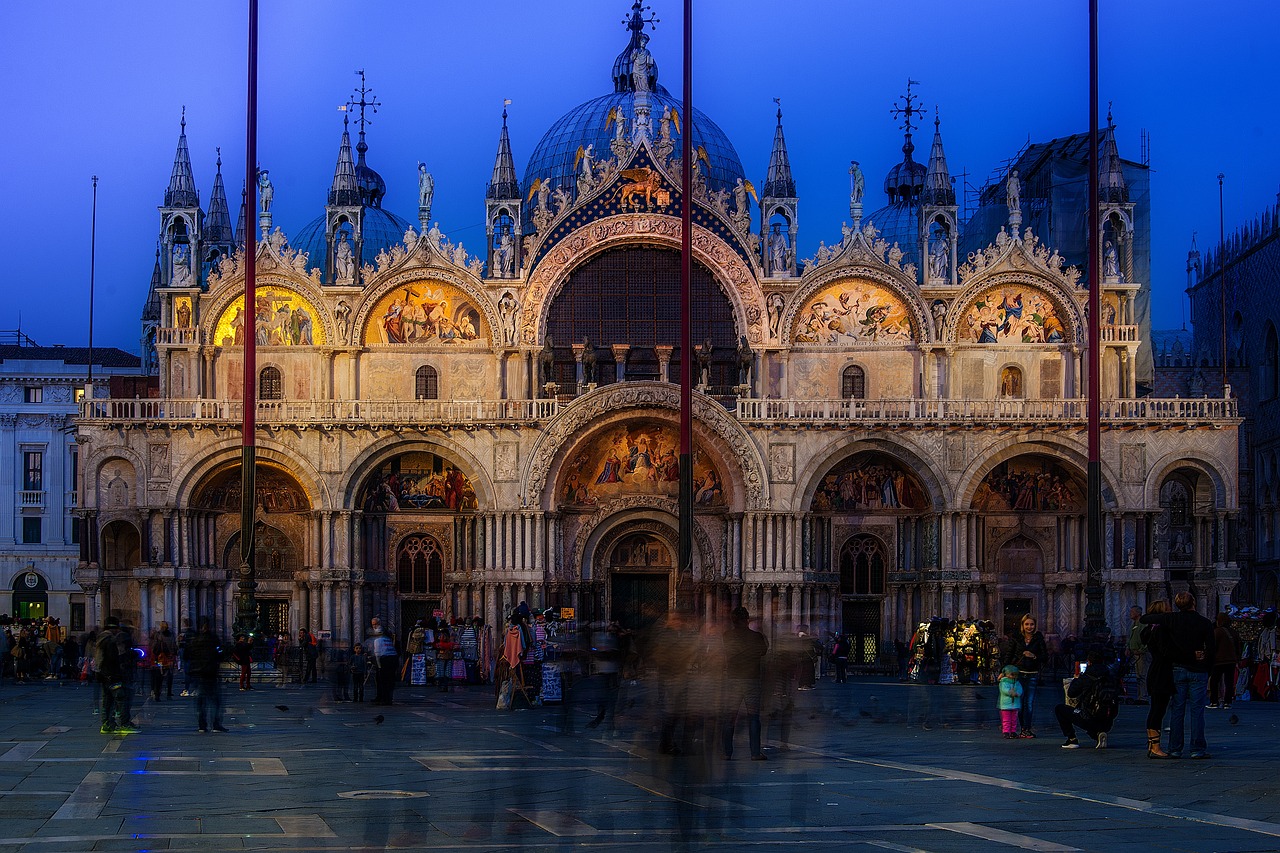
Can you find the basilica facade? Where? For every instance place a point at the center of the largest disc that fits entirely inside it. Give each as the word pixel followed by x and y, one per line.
pixel 884 432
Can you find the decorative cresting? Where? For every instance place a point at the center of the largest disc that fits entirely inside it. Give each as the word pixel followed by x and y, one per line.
pixel 608 515
pixel 1013 261
pixel 862 257
pixel 725 265
pixel 422 263
pixel 587 410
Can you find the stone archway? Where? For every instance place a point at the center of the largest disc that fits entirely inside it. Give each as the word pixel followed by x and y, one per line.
pixel 1019 581
pixel 640 583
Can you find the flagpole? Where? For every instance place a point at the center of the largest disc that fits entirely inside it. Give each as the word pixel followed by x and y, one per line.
pixel 686 320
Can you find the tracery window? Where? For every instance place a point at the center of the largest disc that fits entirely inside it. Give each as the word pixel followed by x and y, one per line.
pixel 270 384
pixel 853 383
pixel 426 383
pixel 419 565
pixel 862 566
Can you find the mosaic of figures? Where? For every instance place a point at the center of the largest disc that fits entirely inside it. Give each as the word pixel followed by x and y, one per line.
pixel 1012 315
pixel 425 312
pixel 418 480
pixel 640 551
pixel 276 490
pixel 852 312
pixel 1030 483
pixel 282 318
pixel 182 312
pixel 638 458
pixel 869 481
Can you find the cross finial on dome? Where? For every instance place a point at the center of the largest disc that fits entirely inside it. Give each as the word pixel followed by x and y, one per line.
pixel 368 101
pixel 908 113
pixel 637 20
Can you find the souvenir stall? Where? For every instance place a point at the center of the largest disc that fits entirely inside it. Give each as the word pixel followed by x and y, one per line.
pixel 962 652
pixel 1258 678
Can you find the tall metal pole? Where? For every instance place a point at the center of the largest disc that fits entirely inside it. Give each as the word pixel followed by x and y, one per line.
pixel 93 266
pixel 1095 609
pixel 1222 285
pixel 686 320
pixel 246 605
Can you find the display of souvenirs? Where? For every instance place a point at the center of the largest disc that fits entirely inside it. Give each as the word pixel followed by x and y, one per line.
pixel 281 318
pixel 425 313
pixel 869 481
pixel 963 652
pixel 638 458
pixel 1012 315
pixel 418 480
pixel 853 312
pixel 1029 483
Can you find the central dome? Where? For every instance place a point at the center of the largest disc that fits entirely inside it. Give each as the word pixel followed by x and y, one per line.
pixel 552 160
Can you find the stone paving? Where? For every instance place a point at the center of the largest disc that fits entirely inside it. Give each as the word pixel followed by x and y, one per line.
pixel 446 771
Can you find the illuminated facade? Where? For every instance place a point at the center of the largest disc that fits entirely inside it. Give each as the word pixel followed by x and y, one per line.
pixel 881 435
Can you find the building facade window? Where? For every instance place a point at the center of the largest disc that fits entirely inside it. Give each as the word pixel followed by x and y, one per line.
pixel 853 383
pixel 33 394
pixel 32 470
pixel 426 383
pixel 32 531
pixel 270 384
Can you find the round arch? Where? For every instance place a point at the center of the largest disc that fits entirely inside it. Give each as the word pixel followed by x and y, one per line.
pixel 734 276
pixel 382 451
pixel 423 273
pixel 98 467
pixel 303 287
pixel 742 462
pixel 1063 452
pixel 914 460
pixel 181 489
pixel 894 281
pixel 618 518
pixel 1162 468
pixel 1063 303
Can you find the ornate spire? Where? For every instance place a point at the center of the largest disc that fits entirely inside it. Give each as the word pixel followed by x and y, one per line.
pixel 778 182
pixel 906 180
pixel 1112 187
pixel 622 66
pixel 182 186
pixel 345 189
pixel 244 214
pixel 503 184
pixel 938 190
pixel 151 308
pixel 217 223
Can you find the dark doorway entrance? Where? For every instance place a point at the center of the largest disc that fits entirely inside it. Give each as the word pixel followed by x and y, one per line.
pixel 862 624
pixel 1014 610
pixel 639 600
pixel 273 615
pixel 30 596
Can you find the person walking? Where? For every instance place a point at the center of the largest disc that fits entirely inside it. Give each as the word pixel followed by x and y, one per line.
pixel 1027 651
pixel 385 661
pixel 1159 679
pixel 206 661
pixel 744 650
pixel 1010 701
pixel 1136 652
pixel 106 660
pixel 1222 676
pixel 840 657
pixel 242 654
pixel 163 651
pixel 1191 640
pixel 359 672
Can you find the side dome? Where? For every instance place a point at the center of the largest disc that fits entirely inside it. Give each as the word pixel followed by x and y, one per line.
pixel 899 222
pixel 382 230
pixel 552 159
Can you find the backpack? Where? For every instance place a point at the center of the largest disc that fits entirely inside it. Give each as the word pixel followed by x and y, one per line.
pixel 1101 701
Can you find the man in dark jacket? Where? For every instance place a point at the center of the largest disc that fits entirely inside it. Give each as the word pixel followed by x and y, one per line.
pixel 1088 714
pixel 1190 638
pixel 744 650
pixel 205 656
pixel 106 661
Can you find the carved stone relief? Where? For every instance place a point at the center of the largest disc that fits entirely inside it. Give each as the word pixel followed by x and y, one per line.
pixel 506 458
pixel 782 463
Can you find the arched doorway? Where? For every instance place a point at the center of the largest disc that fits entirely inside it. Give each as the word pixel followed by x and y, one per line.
pixel 640 571
pixel 419 578
pixel 863 563
pixel 1020 574
pixel 30 596
pixel 276 559
pixel 121 546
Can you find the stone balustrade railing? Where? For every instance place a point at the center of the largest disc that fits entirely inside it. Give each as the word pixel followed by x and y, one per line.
pixel 1125 334
pixel 1146 410
pixel 177 336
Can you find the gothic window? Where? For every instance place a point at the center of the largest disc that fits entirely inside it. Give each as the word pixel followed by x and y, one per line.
pixel 853 383
pixel 420 566
pixel 426 383
pixel 862 566
pixel 1271 360
pixel 270 384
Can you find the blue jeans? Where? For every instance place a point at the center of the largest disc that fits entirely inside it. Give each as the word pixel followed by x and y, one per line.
pixel 1189 688
pixel 1026 713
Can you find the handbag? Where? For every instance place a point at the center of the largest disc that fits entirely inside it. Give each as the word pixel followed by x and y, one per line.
pixel 505 693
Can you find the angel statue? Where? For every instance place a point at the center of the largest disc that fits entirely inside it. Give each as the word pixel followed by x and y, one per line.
pixel 740 192
pixel 586 178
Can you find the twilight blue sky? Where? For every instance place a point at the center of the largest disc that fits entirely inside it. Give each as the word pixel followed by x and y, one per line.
pixel 98 88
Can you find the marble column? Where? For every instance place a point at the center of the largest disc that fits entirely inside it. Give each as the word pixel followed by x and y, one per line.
pixel 620 358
